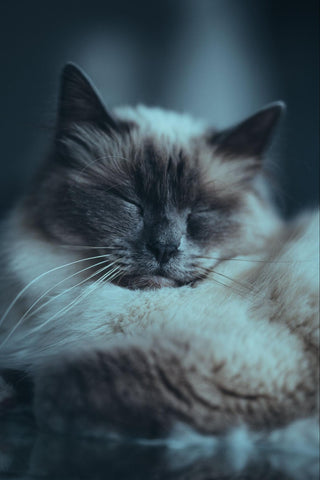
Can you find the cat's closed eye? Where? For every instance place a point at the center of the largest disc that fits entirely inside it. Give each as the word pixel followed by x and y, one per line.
pixel 130 202
pixel 202 224
pixel 201 212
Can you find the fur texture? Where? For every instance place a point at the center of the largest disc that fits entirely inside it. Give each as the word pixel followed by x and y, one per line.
pixel 148 282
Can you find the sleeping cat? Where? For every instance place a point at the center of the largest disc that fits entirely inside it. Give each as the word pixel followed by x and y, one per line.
pixel 147 280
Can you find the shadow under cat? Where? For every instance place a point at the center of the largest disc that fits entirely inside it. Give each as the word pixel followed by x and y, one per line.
pixel 26 453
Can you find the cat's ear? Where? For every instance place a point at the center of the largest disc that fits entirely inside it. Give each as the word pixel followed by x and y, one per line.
pixel 80 102
pixel 251 137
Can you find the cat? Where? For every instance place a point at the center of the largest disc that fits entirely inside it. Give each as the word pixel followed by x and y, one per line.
pixel 148 281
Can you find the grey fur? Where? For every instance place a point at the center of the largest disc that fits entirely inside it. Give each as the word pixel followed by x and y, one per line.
pixel 170 202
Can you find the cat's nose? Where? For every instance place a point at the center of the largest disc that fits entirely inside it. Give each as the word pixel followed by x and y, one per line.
pixel 163 251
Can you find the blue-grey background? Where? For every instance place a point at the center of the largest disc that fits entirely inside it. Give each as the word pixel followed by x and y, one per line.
pixel 217 59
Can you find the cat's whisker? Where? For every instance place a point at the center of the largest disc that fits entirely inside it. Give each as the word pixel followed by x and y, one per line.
pixel 102 157
pixel 222 284
pixel 89 247
pixel 49 301
pixel 114 276
pixel 78 284
pixel 74 302
pixel 39 277
pixel 82 247
pixel 26 314
pixel 121 275
pixel 241 284
pixel 207 271
pixel 235 259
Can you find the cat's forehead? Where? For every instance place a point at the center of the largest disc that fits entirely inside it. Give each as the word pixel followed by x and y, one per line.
pixel 170 128
pixel 160 155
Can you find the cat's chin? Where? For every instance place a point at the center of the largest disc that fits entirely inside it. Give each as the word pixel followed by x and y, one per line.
pixel 147 282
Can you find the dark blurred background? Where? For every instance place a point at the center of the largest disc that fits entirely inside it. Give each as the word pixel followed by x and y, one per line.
pixel 217 59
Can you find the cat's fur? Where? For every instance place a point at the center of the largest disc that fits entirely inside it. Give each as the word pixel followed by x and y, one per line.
pixel 172 204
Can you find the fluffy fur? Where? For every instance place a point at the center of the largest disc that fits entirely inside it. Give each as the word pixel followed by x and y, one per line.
pixel 231 336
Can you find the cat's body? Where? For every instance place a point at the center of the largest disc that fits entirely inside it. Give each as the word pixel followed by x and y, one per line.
pixel 236 343
pixel 248 357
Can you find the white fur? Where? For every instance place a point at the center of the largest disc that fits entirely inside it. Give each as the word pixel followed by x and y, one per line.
pixel 227 325
pixel 106 310
pixel 163 125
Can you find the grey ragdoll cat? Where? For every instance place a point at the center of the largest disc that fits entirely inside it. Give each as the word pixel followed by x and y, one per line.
pixel 147 281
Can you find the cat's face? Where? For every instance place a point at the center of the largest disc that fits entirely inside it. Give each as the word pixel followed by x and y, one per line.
pixel 163 196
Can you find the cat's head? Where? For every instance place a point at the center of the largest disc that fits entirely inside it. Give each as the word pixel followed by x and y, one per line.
pixel 164 196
